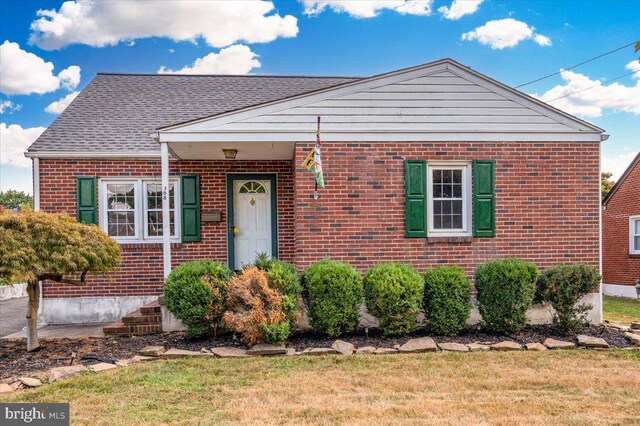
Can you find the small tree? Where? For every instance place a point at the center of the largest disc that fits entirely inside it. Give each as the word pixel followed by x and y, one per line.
pixel 37 246
pixel 606 183
pixel 13 199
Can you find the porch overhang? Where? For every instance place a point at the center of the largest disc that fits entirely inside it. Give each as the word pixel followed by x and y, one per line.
pixel 209 146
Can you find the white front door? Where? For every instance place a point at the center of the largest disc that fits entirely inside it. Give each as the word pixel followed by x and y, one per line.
pixel 252 220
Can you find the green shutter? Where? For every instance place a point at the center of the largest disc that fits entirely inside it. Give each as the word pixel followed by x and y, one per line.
pixel 86 199
pixel 415 194
pixel 190 208
pixel 484 198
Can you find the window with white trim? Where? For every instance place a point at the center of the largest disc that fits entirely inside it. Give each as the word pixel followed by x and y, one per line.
pixel 131 209
pixel 634 234
pixel 449 199
pixel 153 209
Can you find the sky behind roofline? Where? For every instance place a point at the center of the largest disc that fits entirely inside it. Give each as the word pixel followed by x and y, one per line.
pixel 50 50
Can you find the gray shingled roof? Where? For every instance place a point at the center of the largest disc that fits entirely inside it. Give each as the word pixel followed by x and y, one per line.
pixel 117 112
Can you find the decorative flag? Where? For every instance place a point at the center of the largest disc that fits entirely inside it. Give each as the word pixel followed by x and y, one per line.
pixel 317 161
pixel 308 162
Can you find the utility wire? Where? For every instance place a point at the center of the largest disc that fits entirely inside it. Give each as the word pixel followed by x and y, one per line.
pixel 577 65
pixel 591 87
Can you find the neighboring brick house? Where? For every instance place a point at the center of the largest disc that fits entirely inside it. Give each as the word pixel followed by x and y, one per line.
pixel 621 234
pixel 435 164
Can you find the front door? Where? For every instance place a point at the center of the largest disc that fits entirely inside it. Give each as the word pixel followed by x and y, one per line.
pixel 251 231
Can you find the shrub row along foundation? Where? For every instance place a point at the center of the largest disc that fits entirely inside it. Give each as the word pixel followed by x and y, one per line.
pixel 262 302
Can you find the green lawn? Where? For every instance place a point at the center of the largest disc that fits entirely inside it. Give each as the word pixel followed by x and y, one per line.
pixel 620 311
pixel 563 387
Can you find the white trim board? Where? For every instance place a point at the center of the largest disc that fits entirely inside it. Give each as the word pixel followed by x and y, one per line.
pixel 90 154
pixel 369 137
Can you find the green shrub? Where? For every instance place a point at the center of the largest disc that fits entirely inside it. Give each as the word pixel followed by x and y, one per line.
pixel 276 333
pixel 333 292
pixel 563 286
pixel 195 292
pixel 505 292
pixel 447 299
pixel 393 293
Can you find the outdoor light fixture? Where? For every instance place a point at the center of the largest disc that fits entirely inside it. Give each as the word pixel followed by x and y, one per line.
pixel 230 154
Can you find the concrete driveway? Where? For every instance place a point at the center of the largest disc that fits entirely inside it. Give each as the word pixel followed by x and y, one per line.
pixel 13 315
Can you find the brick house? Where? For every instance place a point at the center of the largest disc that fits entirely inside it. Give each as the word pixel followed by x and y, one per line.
pixel 621 234
pixel 434 164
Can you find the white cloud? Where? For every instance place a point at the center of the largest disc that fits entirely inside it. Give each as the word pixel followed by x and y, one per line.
pixel 236 59
pixel 14 141
pixel 542 40
pixel 22 72
pixel 459 8
pixel 617 164
pixel 505 33
pixel 70 77
pixel 582 96
pixel 104 23
pixel 58 106
pixel 8 107
pixel 368 8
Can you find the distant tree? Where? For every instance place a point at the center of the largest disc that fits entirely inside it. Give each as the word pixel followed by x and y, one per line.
pixel 37 246
pixel 12 199
pixel 638 48
pixel 606 183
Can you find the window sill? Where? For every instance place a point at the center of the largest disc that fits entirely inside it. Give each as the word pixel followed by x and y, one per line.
pixel 146 244
pixel 461 239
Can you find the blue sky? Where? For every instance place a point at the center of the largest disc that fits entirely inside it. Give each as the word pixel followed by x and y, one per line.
pixel 511 41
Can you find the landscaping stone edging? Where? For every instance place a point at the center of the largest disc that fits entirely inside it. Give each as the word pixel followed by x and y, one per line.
pixel 338 348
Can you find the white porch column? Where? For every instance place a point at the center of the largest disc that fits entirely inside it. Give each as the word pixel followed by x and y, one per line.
pixel 166 226
pixel 36 184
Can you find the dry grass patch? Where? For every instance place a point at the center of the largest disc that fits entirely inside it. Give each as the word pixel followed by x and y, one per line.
pixel 570 387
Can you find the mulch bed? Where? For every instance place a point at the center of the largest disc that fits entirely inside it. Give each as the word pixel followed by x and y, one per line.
pixel 16 362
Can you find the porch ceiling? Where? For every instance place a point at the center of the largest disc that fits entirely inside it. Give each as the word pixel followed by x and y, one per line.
pixel 246 150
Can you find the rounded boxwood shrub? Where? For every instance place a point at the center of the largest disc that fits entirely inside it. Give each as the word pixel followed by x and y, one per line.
pixel 563 286
pixel 505 292
pixel 195 292
pixel 333 292
pixel 447 299
pixel 393 293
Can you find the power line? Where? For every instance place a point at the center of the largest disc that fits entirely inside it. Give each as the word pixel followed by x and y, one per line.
pixel 577 65
pixel 591 87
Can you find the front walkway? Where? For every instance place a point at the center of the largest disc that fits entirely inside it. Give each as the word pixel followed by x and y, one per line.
pixel 13 315
pixel 64 330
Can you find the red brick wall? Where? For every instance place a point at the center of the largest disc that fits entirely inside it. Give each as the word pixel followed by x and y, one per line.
pixel 546 208
pixel 142 271
pixel 547 205
pixel 618 266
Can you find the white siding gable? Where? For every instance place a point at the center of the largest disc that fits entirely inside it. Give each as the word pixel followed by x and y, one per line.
pixel 439 102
